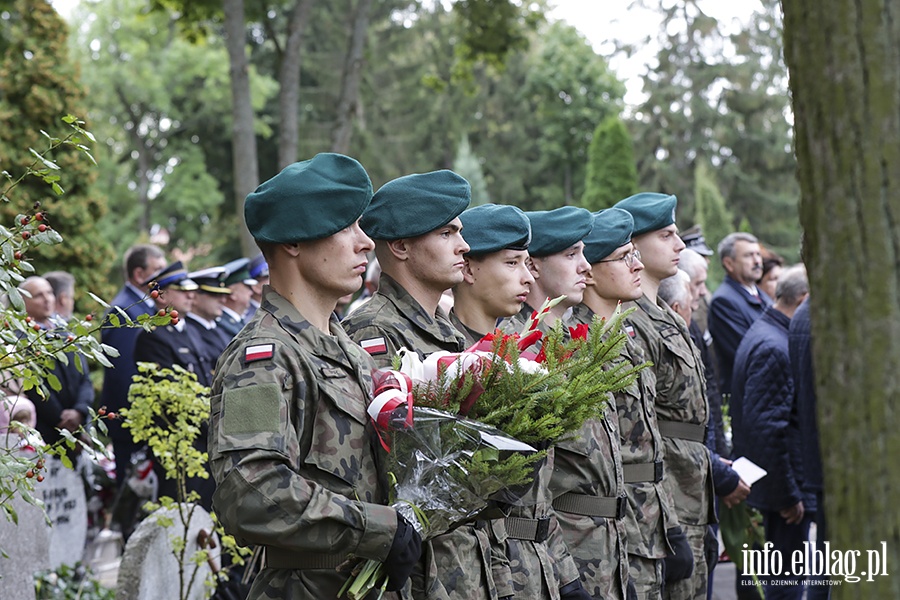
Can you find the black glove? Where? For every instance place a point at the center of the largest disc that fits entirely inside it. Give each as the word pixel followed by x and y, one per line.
pixel 711 549
pixel 631 591
pixel 574 591
pixel 680 563
pixel 403 555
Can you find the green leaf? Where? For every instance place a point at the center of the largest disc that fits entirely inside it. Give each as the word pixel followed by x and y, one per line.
pixel 66 461
pixel 98 300
pixel 47 163
pixel 57 189
pixel 15 298
pixel 53 381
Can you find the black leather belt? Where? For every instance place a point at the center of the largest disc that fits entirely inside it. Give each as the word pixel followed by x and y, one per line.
pixel 611 507
pixel 532 530
pixel 643 472
pixel 276 558
pixel 684 431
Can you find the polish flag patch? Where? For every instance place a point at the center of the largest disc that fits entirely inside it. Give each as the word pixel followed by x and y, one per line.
pixel 374 345
pixel 629 330
pixel 261 352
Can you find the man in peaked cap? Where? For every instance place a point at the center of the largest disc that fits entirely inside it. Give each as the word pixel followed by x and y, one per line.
pixel 629 547
pixel 236 277
pixel 259 271
pixel 495 285
pixel 557 263
pixel 203 318
pixel 291 445
pixel 693 238
pixel 681 403
pixel 415 223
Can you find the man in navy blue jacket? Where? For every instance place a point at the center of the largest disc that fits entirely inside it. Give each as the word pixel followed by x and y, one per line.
pixel 141 261
pixel 765 426
pixel 737 303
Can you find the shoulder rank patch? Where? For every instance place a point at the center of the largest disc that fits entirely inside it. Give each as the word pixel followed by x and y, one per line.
pixel 374 345
pixel 260 352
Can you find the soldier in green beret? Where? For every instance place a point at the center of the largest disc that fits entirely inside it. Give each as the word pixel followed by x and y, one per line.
pixel 556 262
pixel 291 446
pixel 415 223
pixel 616 277
pixel 681 403
pixel 496 284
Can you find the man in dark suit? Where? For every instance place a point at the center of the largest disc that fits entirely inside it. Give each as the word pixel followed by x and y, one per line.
pixel 141 261
pixel 237 279
pixel 202 320
pixel 738 302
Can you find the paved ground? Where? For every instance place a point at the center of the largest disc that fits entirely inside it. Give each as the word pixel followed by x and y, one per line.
pixel 723 582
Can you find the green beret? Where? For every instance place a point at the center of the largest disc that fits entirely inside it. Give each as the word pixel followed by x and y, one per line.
pixel 308 200
pixel 612 229
pixel 650 211
pixel 413 205
pixel 555 230
pixel 494 227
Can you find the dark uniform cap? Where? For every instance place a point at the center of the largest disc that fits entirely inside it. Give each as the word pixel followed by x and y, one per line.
pixel 173 276
pixel 555 230
pixel 650 211
pixel 211 280
pixel 238 271
pixel 693 239
pixel 413 205
pixel 258 266
pixel 494 227
pixel 308 200
pixel 612 229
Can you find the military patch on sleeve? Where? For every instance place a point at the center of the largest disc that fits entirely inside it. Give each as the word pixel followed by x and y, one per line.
pixel 374 345
pixel 260 352
pixel 629 330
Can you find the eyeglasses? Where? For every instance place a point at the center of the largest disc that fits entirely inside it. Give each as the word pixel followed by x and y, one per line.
pixel 628 258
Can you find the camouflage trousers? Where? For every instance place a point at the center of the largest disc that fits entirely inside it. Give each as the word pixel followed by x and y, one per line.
pixel 694 587
pixel 647 576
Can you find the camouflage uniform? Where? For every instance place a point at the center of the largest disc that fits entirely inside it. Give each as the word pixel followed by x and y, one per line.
pixel 291 448
pixel 683 413
pixel 648 512
pixel 462 564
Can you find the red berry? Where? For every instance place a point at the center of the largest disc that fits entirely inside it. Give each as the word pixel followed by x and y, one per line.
pixel 161 313
pixel 36 327
pixel 28 319
pixel 25 220
pixel 174 313
pixel 113 415
pixel 154 294
pixel 40 477
pixel 42 228
pixel 39 216
pixel 40 463
pixel 88 317
pixel 17 255
pixel 25 235
pixel 174 320
pixel 70 338
pixel 101 411
pixel 29 473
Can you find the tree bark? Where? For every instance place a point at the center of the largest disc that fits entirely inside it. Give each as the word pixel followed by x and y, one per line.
pixel 844 62
pixel 349 98
pixel 244 161
pixel 289 82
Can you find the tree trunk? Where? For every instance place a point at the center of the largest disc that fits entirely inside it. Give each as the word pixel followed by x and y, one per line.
pixel 243 139
pixel 289 81
pixel 845 82
pixel 349 98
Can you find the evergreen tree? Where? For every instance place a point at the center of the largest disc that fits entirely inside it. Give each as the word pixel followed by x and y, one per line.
pixel 467 165
pixel 38 86
pixel 711 213
pixel 611 170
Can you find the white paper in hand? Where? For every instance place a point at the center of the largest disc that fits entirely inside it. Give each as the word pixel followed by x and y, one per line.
pixel 749 471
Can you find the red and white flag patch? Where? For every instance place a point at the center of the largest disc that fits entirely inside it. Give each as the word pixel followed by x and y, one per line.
pixel 260 352
pixel 629 330
pixel 374 345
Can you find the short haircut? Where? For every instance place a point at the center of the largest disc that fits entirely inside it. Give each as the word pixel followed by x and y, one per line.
pixel 691 262
pixel 138 256
pixel 726 246
pixel 792 286
pixel 676 289
pixel 62 282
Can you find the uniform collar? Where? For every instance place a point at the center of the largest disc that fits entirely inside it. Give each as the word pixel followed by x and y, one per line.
pixel 438 326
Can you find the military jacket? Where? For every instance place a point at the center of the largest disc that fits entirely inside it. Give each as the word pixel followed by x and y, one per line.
pixel 292 450
pixel 462 564
pixel 648 512
pixel 680 398
pixel 393 319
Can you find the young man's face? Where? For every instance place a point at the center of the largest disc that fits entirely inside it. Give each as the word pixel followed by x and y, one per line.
pixel 746 265
pixel 660 251
pixel 436 258
pixel 564 273
pixel 615 278
pixel 499 281
pixel 337 264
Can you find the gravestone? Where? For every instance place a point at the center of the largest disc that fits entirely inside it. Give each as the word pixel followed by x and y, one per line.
pixel 66 504
pixel 28 547
pixel 149 569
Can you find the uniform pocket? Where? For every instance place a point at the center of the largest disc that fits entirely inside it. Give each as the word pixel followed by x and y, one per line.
pixel 339 443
